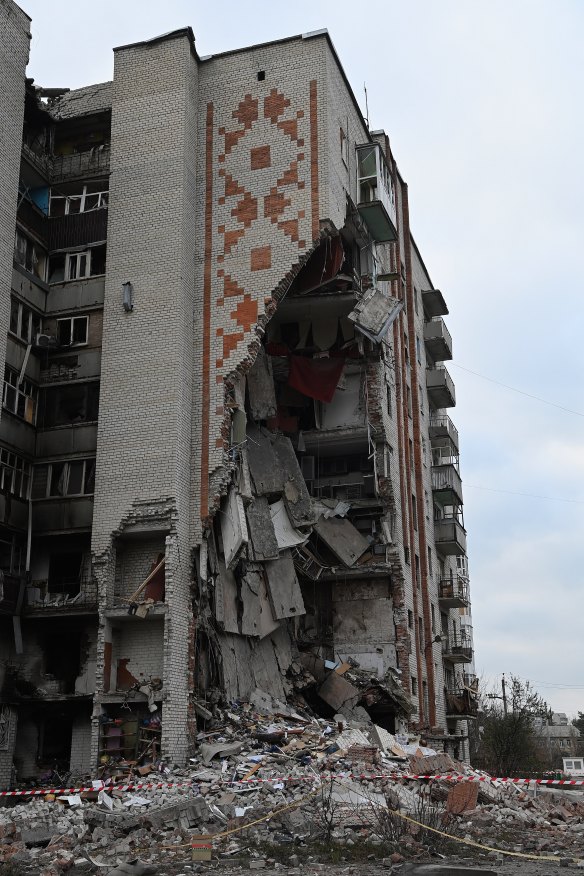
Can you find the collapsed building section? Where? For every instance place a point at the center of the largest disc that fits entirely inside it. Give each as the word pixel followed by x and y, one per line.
pixel 227 468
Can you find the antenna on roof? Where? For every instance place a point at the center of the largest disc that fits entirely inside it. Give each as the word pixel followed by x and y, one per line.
pixel 366 105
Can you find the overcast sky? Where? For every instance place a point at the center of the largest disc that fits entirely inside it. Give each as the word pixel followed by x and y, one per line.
pixel 482 102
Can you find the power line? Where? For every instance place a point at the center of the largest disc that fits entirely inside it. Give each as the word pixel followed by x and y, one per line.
pixel 527 495
pixel 520 391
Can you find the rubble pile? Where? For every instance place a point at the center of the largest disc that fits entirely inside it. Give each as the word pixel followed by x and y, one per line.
pixel 264 759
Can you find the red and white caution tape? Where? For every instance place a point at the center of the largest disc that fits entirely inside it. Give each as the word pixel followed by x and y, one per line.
pixel 312 777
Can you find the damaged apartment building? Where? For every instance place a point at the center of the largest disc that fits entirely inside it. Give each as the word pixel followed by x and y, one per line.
pixel 227 465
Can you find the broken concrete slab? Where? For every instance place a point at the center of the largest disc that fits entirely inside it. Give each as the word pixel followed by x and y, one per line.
pixel 266 472
pixel 234 532
pixel 337 692
pixel 226 598
pixel 283 587
pixel 220 749
pixel 296 495
pixel 260 384
pixel 263 540
pixel 343 539
pixel 375 313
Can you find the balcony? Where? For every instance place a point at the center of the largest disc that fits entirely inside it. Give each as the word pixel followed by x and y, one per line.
pixel 457 648
pixel 453 592
pixel 460 703
pixel 441 426
pixel 446 484
pixel 438 340
pixel 440 387
pixel 94 162
pixel 450 536
pixel 77 229
pixel 433 303
pixel 375 193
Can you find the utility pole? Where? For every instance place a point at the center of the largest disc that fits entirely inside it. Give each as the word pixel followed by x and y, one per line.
pixel 504 697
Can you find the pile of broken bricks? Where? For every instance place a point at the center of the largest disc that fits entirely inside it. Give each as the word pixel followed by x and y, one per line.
pixel 253 761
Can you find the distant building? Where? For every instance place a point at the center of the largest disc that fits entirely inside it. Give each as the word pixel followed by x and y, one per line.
pixel 227 460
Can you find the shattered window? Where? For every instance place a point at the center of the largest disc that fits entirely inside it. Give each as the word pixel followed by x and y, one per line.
pixel 14 474
pixel 67 478
pixel 66 266
pixel 73 403
pixel 20 398
pixel 72 331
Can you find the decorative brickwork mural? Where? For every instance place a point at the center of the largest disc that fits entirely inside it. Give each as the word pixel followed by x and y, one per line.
pixel 260 209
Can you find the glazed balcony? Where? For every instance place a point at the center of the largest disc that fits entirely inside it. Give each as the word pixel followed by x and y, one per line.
pixel 453 592
pixel 446 484
pixel 438 340
pixel 440 387
pixel 375 193
pixel 450 536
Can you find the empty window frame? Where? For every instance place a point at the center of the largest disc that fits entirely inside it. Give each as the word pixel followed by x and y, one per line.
pixel 67 266
pixel 65 572
pixel 70 403
pixel 74 477
pixel 91 196
pixel 14 474
pixel 72 331
pixel 24 322
pixel 29 255
pixel 19 399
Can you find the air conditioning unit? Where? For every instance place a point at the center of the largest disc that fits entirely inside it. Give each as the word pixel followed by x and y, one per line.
pixel 46 342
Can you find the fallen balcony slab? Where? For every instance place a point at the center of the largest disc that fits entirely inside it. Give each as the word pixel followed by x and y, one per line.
pixel 343 539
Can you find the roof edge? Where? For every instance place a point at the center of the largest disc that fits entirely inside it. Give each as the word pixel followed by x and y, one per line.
pixel 163 37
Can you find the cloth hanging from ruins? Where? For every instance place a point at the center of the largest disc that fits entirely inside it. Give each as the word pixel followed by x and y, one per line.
pixel 316 378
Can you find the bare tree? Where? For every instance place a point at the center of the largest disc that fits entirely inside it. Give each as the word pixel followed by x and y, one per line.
pixel 508 736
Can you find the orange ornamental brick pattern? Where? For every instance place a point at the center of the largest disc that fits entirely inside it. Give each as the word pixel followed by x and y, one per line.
pixel 261 219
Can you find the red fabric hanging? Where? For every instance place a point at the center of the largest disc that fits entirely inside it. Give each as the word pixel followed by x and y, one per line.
pixel 316 378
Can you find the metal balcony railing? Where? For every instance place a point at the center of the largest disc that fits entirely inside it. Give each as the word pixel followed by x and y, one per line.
pixel 441 426
pixel 457 647
pixel 454 590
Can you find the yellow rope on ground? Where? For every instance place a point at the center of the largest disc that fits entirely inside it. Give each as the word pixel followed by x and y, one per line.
pixel 296 803
pixel 462 840
pixel 241 827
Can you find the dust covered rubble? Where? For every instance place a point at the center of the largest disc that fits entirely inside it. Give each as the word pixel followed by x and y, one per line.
pixel 255 759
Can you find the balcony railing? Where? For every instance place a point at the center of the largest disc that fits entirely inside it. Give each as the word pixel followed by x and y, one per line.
pixel 445 479
pixel 453 592
pixel 440 386
pixel 441 426
pixel 457 648
pixel 438 339
pixel 460 703
pixel 95 161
